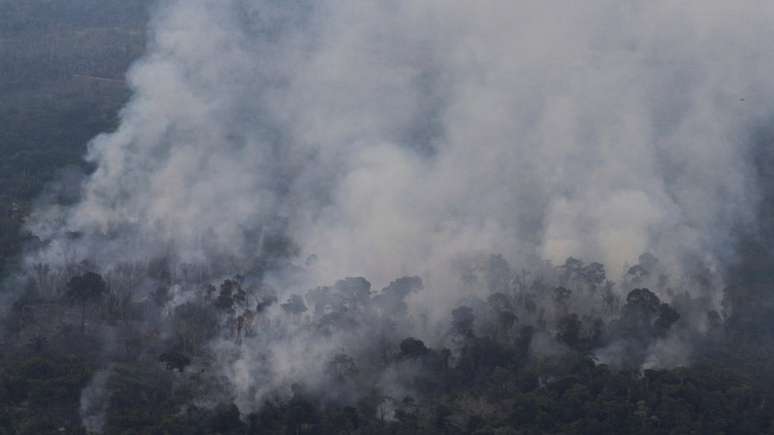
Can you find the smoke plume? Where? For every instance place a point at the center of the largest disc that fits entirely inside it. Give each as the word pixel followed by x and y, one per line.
pixel 384 139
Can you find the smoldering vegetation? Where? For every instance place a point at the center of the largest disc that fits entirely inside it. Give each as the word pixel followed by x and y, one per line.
pixel 177 349
pixel 422 217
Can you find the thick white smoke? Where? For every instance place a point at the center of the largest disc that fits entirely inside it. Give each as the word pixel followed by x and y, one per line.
pixel 388 138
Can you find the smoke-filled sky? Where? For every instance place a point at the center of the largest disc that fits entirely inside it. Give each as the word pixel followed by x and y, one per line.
pixel 390 138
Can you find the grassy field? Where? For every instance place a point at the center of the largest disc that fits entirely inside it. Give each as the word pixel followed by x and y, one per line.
pixel 62 67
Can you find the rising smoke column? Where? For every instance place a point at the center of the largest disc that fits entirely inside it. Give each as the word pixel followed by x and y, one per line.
pixel 391 138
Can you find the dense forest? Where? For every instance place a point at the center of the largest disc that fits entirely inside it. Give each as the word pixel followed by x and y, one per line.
pixel 84 355
pixel 168 347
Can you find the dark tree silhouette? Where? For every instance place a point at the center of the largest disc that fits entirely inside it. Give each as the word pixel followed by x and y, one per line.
pixel 85 290
pixel 175 360
pixel 594 274
pixel 569 330
pixel 412 348
pixel 462 320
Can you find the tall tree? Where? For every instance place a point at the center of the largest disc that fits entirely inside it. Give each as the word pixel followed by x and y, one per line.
pixel 85 290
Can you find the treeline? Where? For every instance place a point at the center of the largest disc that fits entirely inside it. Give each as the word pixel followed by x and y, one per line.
pixel 150 348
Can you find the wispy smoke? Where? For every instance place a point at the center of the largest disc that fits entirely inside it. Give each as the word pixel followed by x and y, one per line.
pixel 397 138
pixel 94 402
pixel 391 138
